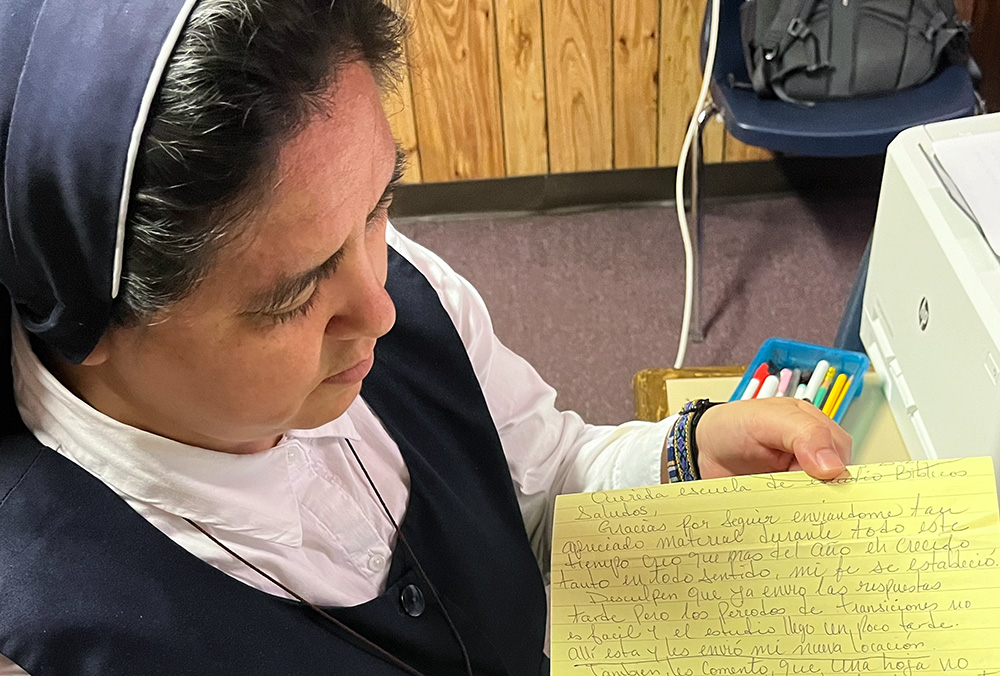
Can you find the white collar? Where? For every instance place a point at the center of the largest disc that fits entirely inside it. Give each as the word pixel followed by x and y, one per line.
pixel 250 495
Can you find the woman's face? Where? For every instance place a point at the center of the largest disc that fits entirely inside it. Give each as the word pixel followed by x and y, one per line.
pixel 280 333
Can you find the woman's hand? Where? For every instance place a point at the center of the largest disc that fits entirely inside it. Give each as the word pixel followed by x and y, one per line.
pixel 770 435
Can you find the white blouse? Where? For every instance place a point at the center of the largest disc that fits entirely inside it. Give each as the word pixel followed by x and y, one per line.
pixel 303 511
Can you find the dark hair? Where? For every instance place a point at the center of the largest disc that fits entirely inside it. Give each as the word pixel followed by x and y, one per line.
pixel 245 77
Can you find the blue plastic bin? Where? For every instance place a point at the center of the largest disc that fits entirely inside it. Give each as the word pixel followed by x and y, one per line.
pixel 782 353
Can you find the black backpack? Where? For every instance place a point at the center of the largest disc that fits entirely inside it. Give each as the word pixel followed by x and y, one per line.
pixel 812 50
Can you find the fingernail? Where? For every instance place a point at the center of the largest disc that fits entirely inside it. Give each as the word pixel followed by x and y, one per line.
pixel 829 461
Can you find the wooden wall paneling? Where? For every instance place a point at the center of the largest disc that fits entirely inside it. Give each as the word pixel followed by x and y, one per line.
pixel 399 108
pixel 680 73
pixel 714 141
pixel 986 48
pixel 456 89
pixel 737 151
pixel 636 82
pixel 398 104
pixel 578 66
pixel 522 86
pixel 965 9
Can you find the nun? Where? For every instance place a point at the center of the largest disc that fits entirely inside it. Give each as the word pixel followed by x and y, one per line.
pixel 247 426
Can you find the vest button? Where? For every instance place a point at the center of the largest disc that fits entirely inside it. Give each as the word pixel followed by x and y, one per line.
pixel 412 600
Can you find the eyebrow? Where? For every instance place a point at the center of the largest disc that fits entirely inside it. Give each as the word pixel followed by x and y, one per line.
pixel 288 288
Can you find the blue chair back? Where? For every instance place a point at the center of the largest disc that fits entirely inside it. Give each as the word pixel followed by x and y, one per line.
pixel 840 128
pixel 729 56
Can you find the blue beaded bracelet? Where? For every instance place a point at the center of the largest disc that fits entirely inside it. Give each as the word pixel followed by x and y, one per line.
pixel 680 447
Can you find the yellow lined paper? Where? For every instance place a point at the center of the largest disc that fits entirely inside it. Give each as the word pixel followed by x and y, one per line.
pixel 892 570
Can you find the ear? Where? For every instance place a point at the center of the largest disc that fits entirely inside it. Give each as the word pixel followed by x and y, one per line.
pixel 100 353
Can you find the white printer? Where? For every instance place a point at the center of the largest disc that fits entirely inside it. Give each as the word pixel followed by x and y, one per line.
pixel 931 319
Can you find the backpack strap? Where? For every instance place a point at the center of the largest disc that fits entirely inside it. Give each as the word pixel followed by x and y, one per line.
pixel 941 31
pixel 790 23
pixel 778 86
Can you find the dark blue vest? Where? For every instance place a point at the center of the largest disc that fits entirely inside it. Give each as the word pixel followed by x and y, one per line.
pixel 87 586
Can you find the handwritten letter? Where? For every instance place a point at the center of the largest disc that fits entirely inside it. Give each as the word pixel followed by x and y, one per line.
pixel 892 570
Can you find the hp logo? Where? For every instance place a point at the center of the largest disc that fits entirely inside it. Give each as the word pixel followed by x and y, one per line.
pixel 924 314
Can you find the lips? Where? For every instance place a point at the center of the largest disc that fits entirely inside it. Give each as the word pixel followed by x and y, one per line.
pixel 353 374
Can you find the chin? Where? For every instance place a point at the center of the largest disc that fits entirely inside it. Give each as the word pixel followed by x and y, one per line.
pixel 323 406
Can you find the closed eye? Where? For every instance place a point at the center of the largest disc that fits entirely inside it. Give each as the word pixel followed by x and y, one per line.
pixel 296 312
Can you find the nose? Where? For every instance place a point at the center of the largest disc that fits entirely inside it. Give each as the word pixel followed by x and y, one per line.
pixel 367 310
pixel 379 312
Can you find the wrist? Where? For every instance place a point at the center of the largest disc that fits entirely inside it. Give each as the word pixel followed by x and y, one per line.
pixel 679 459
pixel 703 407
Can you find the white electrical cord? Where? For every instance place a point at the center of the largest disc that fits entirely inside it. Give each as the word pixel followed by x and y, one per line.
pixel 713 42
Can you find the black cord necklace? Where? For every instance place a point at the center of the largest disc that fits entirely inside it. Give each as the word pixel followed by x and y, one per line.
pixel 389 657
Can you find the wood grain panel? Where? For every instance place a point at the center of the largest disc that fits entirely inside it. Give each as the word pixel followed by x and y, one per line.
pixel 965 9
pixel 636 82
pixel 522 86
pixel 579 93
pixel 714 141
pixel 737 151
pixel 986 48
pixel 680 73
pixel 456 90
pixel 399 108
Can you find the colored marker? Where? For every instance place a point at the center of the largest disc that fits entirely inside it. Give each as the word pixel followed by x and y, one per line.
pixel 758 377
pixel 784 383
pixel 843 395
pixel 817 379
pixel 824 387
pixel 834 395
pixel 793 383
pixel 751 389
pixel 769 388
pixel 800 390
pixel 762 373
